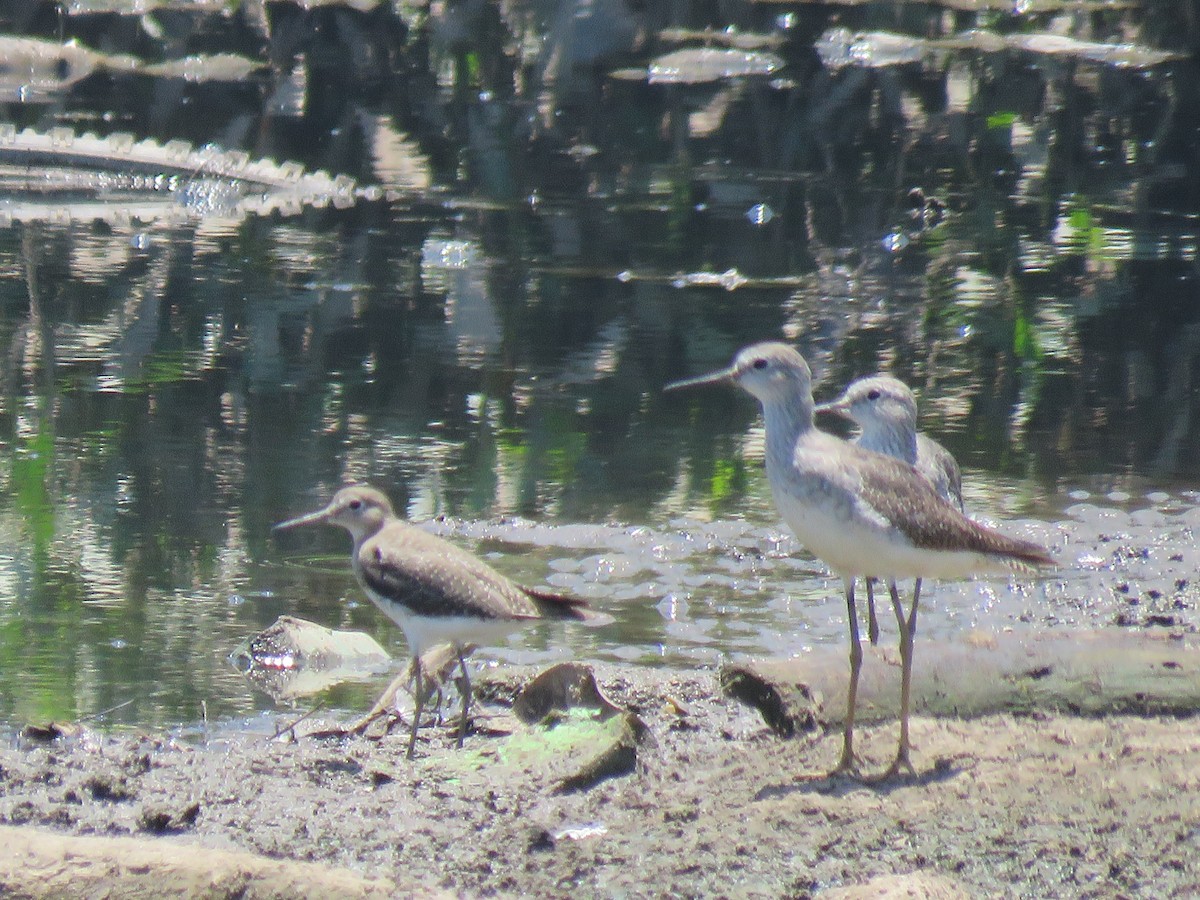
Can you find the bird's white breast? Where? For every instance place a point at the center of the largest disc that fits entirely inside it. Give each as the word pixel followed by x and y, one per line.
pixel 854 540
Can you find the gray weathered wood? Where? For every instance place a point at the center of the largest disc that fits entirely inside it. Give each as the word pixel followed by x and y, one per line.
pixel 1085 673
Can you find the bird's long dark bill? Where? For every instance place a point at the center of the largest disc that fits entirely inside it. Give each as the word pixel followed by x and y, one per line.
pixel 832 408
pixel 718 377
pixel 309 519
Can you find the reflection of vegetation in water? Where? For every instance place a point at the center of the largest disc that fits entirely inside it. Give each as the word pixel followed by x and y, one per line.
pixel 728 485
pixel 164 367
pixel 1081 234
pixel 32 468
pixel 41 637
pixel 206 391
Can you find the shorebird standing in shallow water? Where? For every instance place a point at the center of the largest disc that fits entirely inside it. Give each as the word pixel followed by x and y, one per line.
pixel 885 411
pixel 861 512
pixel 436 592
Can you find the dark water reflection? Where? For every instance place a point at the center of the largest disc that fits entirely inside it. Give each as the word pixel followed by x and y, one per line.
pixel 491 340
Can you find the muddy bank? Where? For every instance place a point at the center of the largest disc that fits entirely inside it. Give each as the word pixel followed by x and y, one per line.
pixel 1038 805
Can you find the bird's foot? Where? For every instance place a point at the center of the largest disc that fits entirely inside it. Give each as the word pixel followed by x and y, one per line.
pixel 848 766
pixel 901 765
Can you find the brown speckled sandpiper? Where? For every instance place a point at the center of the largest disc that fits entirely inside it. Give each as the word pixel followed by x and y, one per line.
pixel 436 592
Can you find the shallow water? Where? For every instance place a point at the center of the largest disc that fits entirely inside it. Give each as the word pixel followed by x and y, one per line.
pixel 486 332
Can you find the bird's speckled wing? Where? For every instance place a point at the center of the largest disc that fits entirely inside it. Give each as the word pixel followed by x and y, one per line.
pixel 889 495
pixel 897 492
pixel 432 577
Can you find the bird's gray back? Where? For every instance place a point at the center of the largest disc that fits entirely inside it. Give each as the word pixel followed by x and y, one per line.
pixel 938 465
pixel 849 505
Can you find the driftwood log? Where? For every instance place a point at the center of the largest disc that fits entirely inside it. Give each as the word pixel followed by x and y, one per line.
pixel 1083 673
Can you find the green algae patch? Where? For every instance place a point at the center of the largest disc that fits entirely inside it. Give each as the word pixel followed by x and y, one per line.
pixel 573 737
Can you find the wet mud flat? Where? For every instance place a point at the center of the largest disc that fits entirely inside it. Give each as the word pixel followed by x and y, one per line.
pixel 716 803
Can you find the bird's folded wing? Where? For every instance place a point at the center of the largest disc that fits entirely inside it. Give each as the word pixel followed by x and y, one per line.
pixel 432 581
pixel 929 522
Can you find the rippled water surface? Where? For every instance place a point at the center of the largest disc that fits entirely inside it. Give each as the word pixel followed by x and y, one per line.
pixel 539 233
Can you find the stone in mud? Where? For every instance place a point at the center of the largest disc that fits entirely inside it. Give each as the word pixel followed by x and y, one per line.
pixel 789 706
pixel 562 688
pixel 296 658
pixel 569 687
pixel 622 734
pixel 162 818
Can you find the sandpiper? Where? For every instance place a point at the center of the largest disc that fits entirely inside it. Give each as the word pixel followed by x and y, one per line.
pixel 885 411
pixel 861 512
pixel 436 592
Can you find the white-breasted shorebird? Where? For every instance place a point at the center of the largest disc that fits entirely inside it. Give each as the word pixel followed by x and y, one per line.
pixel 436 592
pixel 863 513
pixel 885 411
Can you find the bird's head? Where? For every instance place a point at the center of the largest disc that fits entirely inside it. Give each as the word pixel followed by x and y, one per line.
pixel 360 509
pixel 771 371
pixel 878 402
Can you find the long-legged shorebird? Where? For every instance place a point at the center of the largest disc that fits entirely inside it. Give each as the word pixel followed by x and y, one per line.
pixel 863 513
pixel 436 592
pixel 885 411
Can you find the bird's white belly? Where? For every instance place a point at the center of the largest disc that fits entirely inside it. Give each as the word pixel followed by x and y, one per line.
pixel 423 632
pixel 852 546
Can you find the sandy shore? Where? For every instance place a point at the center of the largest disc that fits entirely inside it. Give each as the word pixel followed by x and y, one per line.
pixel 1040 805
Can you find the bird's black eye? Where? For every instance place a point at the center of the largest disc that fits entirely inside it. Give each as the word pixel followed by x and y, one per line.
pixel 356 504
pixel 872 395
pixel 760 363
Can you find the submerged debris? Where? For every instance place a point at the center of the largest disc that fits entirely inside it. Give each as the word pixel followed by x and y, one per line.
pixel 33 70
pixel 200 68
pixel 840 47
pixel 728 37
pixel 697 65
pixel 116 177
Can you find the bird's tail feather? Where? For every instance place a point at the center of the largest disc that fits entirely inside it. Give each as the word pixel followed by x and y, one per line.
pixel 564 606
pixel 1027 556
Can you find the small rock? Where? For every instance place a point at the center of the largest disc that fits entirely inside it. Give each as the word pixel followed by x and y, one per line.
pixel 163 820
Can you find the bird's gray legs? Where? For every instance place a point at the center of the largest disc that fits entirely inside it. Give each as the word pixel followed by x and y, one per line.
pixel 466 698
pixel 418 705
pixel 848 762
pixel 906 626
pixel 872 622
pixel 912 615
pixel 422 690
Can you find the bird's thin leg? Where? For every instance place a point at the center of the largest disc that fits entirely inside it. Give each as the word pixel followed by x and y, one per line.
pixel 902 760
pixel 466 698
pixel 848 761
pixel 872 621
pixel 912 614
pixel 418 705
pixel 437 706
